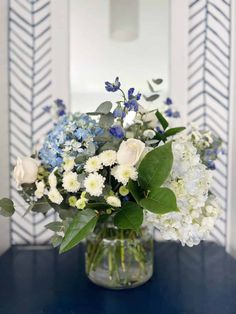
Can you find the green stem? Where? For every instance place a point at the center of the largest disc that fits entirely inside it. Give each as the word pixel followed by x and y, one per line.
pixel 122 250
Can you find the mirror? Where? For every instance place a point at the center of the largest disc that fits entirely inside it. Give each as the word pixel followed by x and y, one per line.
pixel 110 38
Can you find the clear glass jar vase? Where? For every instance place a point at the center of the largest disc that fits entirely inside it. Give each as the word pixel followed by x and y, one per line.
pixel 119 259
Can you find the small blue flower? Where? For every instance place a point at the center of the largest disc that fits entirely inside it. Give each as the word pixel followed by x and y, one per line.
pixel 132 105
pixel 160 131
pixel 113 87
pixel 119 113
pixel 168 101
pixel 126 198
pixel 132 96
pixel 176 114
pixel 47 108
pixel 117 131
pixel 169 113
pixel 211 165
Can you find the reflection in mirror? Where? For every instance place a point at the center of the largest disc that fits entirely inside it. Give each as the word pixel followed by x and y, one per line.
pixel 110 38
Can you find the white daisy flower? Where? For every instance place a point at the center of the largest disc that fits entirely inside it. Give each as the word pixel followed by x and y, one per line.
pixel 123 173
pixel 40 189
pixel 113 201
pixel 70 182
pixel 93 164
pixel 94 184
pixel 108 157
pixel 55 196
pixel 69 163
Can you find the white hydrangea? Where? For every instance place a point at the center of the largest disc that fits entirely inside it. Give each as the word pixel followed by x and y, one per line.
pixel 114 201
pixel 190 181
pixel 123 173
pixel 55 196
pixel 70 182
pixel 40 187
pixel 94 184
pixel 108 157
pixel 93 164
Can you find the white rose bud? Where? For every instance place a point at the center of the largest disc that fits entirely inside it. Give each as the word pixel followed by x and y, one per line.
pixel 26 170
pixel 130 151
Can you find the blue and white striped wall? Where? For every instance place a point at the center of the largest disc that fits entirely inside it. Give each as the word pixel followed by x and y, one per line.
pixel 31 86
pixel 209 83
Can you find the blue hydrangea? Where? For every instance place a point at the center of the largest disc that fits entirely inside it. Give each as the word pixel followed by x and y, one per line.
pixel 117 131
pixel 69 137
pixel 113 87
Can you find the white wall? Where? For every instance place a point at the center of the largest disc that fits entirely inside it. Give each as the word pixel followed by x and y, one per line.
pixel 96 58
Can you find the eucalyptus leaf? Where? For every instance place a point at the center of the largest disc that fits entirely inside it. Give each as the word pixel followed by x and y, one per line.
pixel 129 217
pixel 41 206
pixel 82 224
pixel 160 201
pixel 150 87
pixel 7 208
pixel 155 167
pixel 56 226
pixel 104 108
pixel 161 119
pixel 152 97
pixel 56 240
pixel 157 81
pixel 106 120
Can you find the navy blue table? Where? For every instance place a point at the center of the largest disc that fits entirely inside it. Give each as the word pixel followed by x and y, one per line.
pixel 201 280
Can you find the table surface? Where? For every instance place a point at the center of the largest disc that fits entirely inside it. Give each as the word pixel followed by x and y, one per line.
pixel 199 280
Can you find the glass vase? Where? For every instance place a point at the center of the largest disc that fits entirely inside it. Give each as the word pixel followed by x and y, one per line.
pixel 119 259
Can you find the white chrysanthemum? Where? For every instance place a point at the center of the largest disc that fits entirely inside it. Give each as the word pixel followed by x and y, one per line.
pixel 93 164
pixel 113 201
pixel 108 157
pixel 55 196
pixel 69 163
pixel 94 184
pixel 190 181
pixel 70 182
pixel 52 180
pixel 123 173
pixel 149 133
pixel 40 185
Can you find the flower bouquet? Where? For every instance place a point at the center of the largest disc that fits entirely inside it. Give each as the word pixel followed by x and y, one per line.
pixel 112 175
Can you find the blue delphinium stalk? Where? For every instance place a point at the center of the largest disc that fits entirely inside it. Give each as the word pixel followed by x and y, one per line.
pixel 119 113
pixel 132 103
pixel 113 87
pixel 117 131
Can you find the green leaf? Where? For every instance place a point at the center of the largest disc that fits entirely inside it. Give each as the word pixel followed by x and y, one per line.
pixel 135 190
pixel 161 119
pixel 174 131
pixel 150 87
pixel 106 120
pixel 155 167
pixel 82 224
pixel 104 108
pixel 99 206
pixel 158 81
pixel 56 226
pixel 56 240
pixel 129 217
pixel 160 201
pixel 7 208
pixel 152 97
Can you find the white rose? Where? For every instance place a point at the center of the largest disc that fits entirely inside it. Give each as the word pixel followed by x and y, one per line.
pixel 130 151
pixel 26 170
